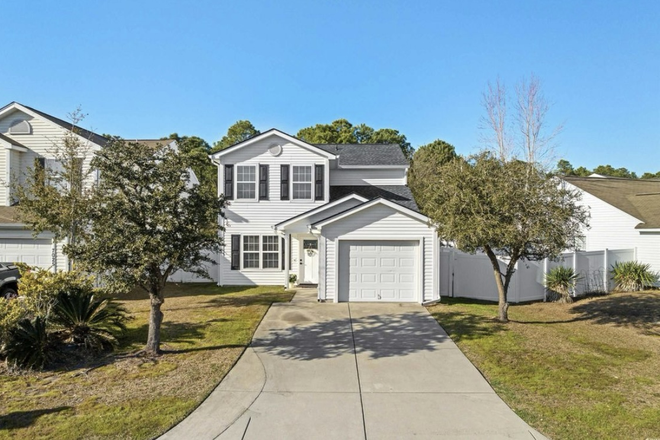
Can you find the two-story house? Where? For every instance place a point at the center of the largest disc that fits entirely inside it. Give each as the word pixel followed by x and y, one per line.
pixel 337 216
pixel 29 137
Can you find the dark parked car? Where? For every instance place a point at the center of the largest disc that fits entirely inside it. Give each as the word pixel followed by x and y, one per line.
pixel 9 276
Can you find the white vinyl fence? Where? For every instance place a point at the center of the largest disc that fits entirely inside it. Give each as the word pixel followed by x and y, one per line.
pixel 471 276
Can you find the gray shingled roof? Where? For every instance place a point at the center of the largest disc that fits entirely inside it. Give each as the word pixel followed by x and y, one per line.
pixel 366 154
pixel 400 194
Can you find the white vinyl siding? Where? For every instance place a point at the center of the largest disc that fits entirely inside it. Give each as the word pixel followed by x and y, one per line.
pixel 379 222
pixel 41 143
pixel 611 228
pixel 258 217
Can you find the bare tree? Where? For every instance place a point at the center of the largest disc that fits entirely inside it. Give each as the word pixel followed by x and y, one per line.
pixel 495 123
pixel 535 143
pixel 521 134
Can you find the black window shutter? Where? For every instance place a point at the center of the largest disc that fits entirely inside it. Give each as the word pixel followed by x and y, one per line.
pixel 283 255
pixel 319 174
pixel 284 182
pixel 263 182
pixel 229 182
pixel 235 252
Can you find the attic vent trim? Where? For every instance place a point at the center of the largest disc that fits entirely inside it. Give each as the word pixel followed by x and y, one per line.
pixel 275 149
pixel 20 126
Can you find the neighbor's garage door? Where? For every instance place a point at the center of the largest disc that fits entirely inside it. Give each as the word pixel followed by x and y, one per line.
pixel 37 252
pixel 378 271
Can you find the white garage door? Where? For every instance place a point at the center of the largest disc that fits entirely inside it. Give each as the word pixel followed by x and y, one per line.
pixel 378 271
pixel 37 252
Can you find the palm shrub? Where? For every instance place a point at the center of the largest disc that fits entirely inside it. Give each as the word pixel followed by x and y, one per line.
pixel 88 321
pixel 631 276
pixel 29 345
pixel 562 280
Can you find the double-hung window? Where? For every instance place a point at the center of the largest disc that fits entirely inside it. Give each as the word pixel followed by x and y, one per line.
pixel 261 252
pixel 270 252
pixel 301 182
pixel 246 182
pixel 251 252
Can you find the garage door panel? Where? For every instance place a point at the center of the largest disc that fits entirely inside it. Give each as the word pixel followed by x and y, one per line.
pixel 378 271
pixel 34 252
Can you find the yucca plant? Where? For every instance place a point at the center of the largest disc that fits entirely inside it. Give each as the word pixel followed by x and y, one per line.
pixel 29 344
pixel 631 276
pixel 562 280
pixel 88 321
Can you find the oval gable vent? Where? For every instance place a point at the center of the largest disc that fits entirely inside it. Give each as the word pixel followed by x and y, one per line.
pixel 20 127
pixel 275 149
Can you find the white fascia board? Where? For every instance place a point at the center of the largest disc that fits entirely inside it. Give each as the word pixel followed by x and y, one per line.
pixel 379 201
pixel 299 217
pixel 269 133
pixel 9 146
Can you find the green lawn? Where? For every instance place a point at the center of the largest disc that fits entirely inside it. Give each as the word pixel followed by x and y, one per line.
pixel 590 370
pixel 205 330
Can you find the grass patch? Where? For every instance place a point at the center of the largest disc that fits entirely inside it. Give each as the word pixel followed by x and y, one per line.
pixel 205 330
pixel 587 370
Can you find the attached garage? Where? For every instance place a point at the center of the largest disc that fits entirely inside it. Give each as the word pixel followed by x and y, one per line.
pixel 378 251
pixel 34 252
pixel 377 270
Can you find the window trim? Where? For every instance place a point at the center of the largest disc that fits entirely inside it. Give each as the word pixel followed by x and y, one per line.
pixel 311 183
pixel 261 253
pixel 255 182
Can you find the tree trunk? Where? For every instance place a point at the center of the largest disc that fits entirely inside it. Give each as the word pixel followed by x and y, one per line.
pixel 503 309
pixel 155 320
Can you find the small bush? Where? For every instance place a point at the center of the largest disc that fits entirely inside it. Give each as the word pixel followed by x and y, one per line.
pixel 29 345
pixel 87 321
pixel 632 276
pixel 562 280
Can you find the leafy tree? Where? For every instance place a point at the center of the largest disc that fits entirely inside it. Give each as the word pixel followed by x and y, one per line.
pixel 343 132
pixel 240 131
pixel 651 175
pixel 146 221
pixel 609 170
pixel 51 198
pixel 426 161
pixel 564 168
pixel 582 172
pixel 506 209
pixel 197 151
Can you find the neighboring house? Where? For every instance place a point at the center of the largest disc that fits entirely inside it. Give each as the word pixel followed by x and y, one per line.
pixel 337 216
pixel 27 137
pixel 625 213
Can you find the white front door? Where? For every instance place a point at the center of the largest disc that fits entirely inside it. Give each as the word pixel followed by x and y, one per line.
pixel 310 261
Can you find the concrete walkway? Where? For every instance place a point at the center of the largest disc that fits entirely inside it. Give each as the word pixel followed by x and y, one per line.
pixel 358 371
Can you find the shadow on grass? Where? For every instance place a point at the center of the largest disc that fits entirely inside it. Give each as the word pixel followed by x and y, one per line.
pixel 639 310
pixel 23 419
pixel 463 326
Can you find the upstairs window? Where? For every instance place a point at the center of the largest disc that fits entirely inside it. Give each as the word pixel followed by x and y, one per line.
pixel 246 182
pixel 20 126
pixel 301 182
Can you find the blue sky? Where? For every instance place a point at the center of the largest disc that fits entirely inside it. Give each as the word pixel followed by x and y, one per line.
pixel 149 68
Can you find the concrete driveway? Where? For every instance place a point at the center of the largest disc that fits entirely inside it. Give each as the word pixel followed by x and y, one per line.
pixel 352 371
